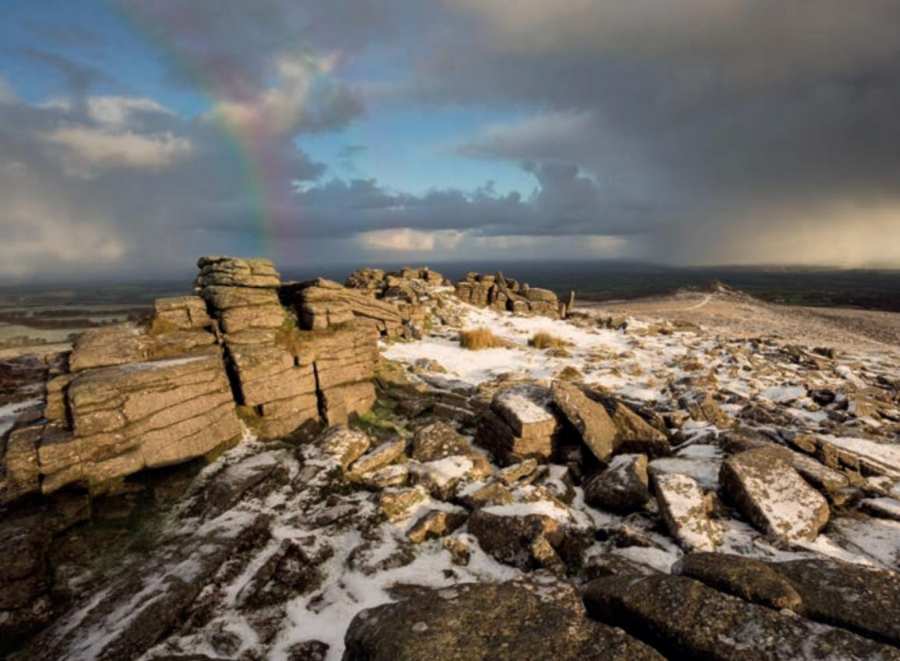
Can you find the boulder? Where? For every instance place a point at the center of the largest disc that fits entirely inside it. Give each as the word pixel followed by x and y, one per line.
pixel 686 510
pixel 772 495
pixel 685 619
pixel 589 418
pixel 142 415
pixel 182 313
pixel 535 618
pixel 379 457
pixel 237 272
pixel 439 441
pixel 344 446
pixel 703 408
pixel 622 487
pixel 108 346
pixel 524 535
pixel 750 579
pixel 434 524
pixel 520 424
pixel 854 597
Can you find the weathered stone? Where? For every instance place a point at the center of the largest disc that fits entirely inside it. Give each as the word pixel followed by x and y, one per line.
pixel 527 619
pixel 142 415
pixel 684 618
pixel 232 483
pixel 227 298
pixel 439 440
pixel 182 312
pixel 858 598
pixel 434 524
pixel 441 477
pixel 22 474
pixel 519 425
pixel 704 408
pixel 622 487
pixel 341 403
pixel 156 597
pixel 395 475
pixel 344 445
pixel 237 272
pixel 610 564
pixel 634 435
pixel 524 535
pixel 772 495
pixel 751 580
pixel 396 503
pixel 107 346
pixel 285 574
pixel 686 510
pixel 378 457
pixel 493 493
pixel 589 418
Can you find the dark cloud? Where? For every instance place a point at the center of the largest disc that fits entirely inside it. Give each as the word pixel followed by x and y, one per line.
pixel 677 130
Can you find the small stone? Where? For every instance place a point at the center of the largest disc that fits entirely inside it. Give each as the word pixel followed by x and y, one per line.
pixel 434 524
pixel 622 487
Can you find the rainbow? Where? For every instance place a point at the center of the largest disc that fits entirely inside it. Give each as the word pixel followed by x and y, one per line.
pixel 262 169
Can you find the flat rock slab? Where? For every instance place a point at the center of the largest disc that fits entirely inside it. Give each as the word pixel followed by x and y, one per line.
pixel 862 599
pixel 772 495
pixel 685 508
pixel 589 418
pixel 750 579
pixel 526 409
pixel 526 619
pixel 686 619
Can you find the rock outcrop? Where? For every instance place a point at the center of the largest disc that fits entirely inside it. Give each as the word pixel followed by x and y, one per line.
pixel 501 293
pixel 139 396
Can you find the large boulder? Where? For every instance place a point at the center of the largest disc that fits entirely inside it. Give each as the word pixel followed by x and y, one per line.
pixel 686 619
pixel 142 415
pixel 520 424
pixel 589 418
pixel 862 599
pixel 772 495
pixel 526 619
pixel 750 579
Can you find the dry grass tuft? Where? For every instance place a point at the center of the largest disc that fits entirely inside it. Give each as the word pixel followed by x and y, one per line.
pixel 544 340
pixel 479 338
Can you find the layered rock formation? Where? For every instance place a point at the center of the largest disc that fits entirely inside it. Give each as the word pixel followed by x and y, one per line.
pixel 505 294
pixel 139 396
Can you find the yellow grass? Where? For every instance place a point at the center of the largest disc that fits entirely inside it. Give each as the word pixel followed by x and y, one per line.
pixel 479 338
pixel 544 340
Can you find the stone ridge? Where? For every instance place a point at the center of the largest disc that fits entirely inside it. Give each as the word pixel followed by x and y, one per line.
pixel 286 358
pixel 500 293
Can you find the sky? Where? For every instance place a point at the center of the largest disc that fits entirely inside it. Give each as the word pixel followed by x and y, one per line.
pixel 137 135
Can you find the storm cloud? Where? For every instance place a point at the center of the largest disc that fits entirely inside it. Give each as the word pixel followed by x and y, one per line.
pixel 683 131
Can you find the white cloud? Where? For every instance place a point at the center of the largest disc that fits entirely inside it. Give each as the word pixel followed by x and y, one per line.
pixel 118 111
pixel 303 98
pixel 89 148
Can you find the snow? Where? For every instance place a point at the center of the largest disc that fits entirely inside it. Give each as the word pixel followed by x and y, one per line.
pixel 9 413
pixel 540 508
pixel 886 457
pixel 783 394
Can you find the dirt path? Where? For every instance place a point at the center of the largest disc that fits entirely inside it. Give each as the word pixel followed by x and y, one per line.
pixel 737 314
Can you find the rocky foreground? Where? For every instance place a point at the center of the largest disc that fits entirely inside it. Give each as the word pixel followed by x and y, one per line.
pixel 302 471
